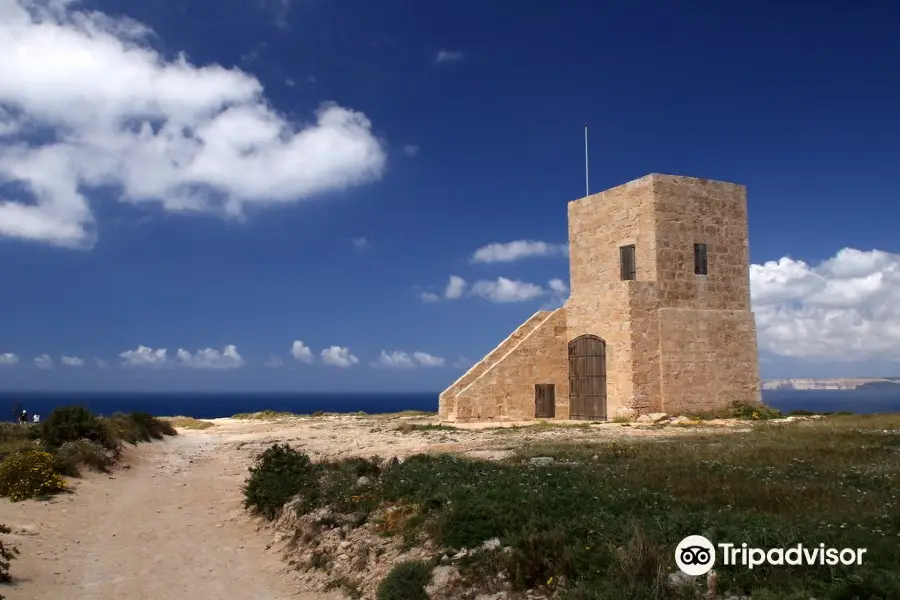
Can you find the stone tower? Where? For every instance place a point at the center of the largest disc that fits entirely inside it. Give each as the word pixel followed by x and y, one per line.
pixel 658 318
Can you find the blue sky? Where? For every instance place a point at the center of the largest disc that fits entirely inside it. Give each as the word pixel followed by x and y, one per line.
pixel 171 179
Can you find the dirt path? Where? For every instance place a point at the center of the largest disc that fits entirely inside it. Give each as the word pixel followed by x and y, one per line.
pixel 171 525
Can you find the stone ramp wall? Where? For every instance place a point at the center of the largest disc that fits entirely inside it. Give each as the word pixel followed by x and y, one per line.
pixel 505 390
pixel 446 401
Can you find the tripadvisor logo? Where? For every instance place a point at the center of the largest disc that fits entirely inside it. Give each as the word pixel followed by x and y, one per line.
pixel 696 555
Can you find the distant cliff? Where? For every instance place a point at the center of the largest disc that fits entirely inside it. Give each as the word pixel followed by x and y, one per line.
pixel 832 384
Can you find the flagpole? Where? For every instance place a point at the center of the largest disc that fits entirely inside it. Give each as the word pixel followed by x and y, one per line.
pixel 587 184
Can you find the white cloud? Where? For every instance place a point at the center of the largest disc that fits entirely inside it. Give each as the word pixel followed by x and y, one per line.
pixel 43 362
pixel 455 288
pixel 361 243
pixel 845 309
pixel 8 359
pixel 505 290
pixel 273 362
pixel 559 286
pixel 401 360
pixel 210 358
pixel 395 360
pixel 428 360
pixel 410 150
pixel 72 361
pixel 513 251
pixel 143 356
pixel 447 56
pixel 339 357
pixel 429 297
pixel 301 352
pixel 106 109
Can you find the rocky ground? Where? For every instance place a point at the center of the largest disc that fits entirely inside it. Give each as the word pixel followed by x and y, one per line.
pixel 168 522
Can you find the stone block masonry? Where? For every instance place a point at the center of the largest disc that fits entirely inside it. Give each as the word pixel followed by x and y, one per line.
pixel 658 318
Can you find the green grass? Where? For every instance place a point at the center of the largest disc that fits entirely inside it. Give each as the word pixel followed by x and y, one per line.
pixel 603 519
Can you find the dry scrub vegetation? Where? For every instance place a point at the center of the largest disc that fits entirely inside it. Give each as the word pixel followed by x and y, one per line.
pixel 596 520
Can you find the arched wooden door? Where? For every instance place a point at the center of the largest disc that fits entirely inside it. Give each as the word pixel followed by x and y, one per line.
pixel 587 378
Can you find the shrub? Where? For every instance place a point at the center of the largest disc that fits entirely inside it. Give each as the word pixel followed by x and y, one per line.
pixel 538 556
pixel 279 474
pixel 264 415
pixel 406 581
pixel 72 423
pixel 755 412
pixel 189 423
pixel 13 431
pixel 7 554
pixel 10 447
pixel 125 429
pixel 29 474
pixel 155 428
pixel 138 427
pixel 72 455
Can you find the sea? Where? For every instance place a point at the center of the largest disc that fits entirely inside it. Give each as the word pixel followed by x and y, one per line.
pixel 215 405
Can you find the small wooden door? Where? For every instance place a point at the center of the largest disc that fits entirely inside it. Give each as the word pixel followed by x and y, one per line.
pixel 544 401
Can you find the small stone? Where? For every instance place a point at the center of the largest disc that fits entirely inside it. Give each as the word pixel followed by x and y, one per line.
pixel 625 413
pixel 363 481
pixel 461 554
pixel 442 578
pixel 491 544
pixel 679 578
pixel 541 461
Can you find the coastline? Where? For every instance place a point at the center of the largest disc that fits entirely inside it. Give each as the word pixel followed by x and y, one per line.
pixel 214 405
